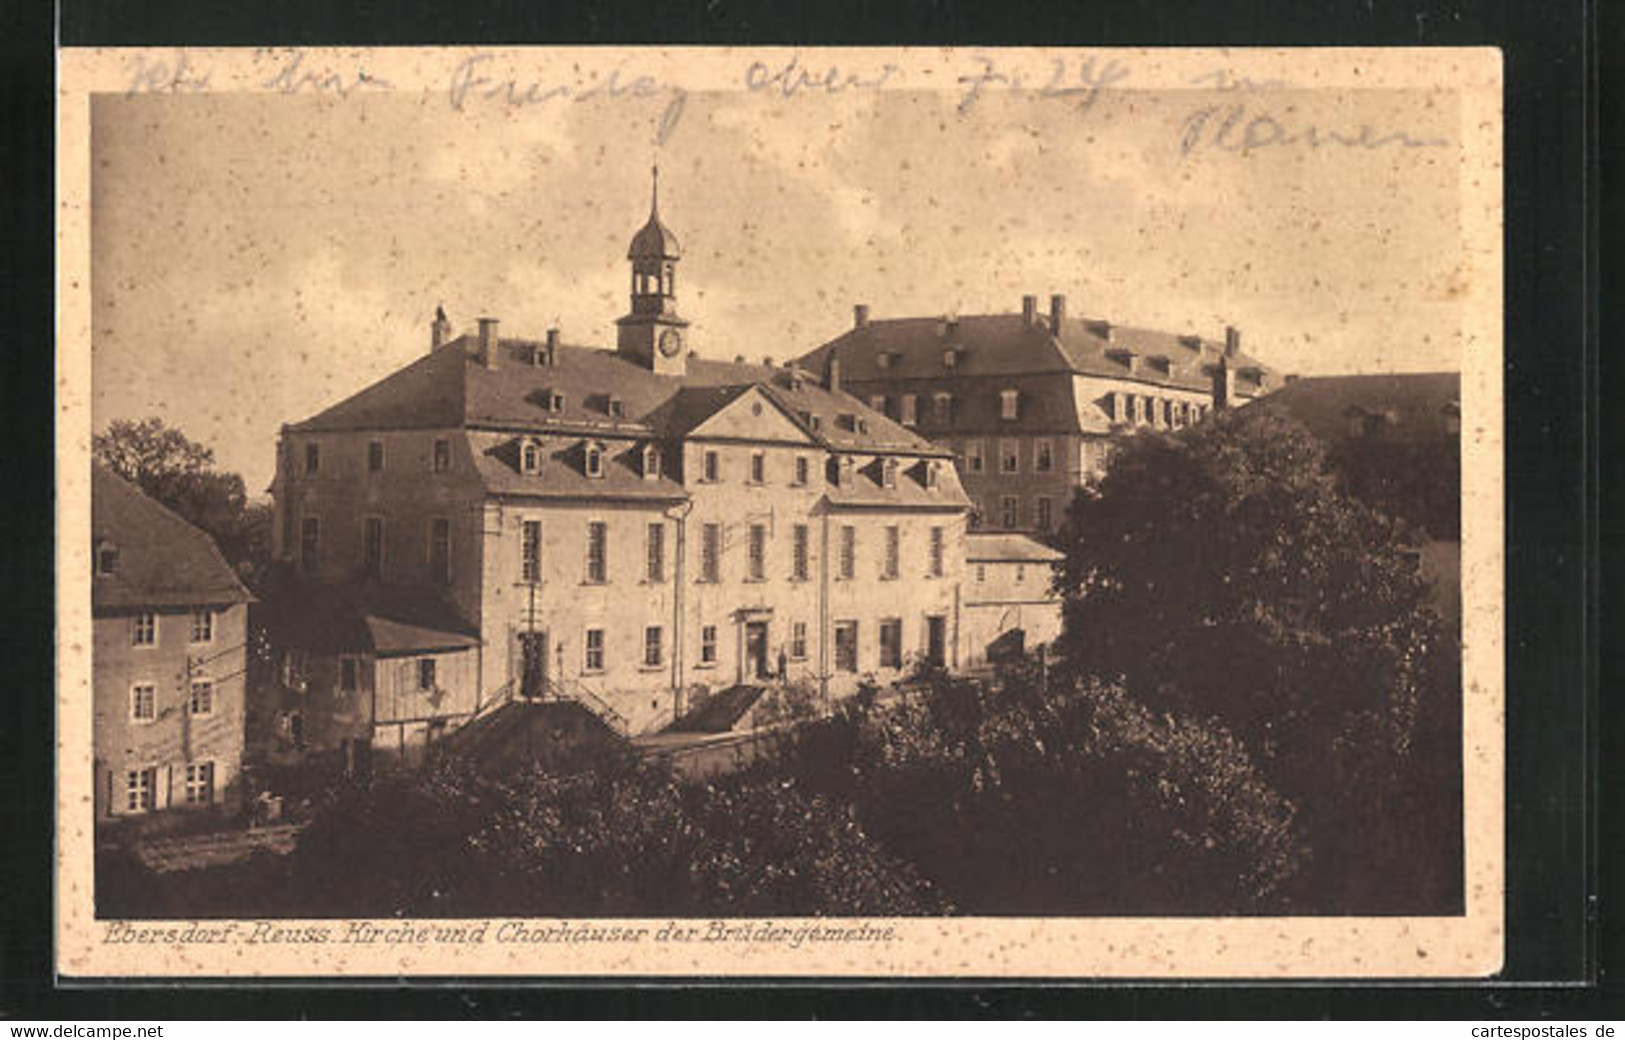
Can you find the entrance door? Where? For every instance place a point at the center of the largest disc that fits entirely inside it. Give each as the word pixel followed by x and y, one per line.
pixel 532 665
pixel 936 651
pixel 756 650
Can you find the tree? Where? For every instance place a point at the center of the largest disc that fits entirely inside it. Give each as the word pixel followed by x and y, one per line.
pixel 1218 572
pixel 181 473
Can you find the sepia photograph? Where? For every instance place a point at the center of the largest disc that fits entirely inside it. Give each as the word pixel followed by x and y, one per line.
pixel 912 512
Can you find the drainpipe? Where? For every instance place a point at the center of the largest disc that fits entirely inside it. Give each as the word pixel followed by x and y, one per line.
pixel 823 610
pixel 680 516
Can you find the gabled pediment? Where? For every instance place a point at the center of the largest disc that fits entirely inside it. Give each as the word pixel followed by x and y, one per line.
pixel 752 415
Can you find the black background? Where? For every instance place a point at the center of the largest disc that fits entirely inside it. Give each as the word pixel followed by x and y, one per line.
pixel 1558 841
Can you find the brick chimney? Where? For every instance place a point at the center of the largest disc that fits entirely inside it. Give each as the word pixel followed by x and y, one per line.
pixel 1224 381
pixel 1029 311
pixel 832 372
pixel 549 355
pixel 439 329
pixel 1057 312
pixel 489 344
pixel 860 316
pixel 1232 341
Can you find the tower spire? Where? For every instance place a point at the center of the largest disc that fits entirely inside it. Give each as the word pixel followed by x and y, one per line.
pixel 654 192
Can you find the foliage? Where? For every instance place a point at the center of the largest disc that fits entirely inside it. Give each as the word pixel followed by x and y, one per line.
pixel 1220 572
pixel 623 839
pixel 1040 799
pixel 788 703
pixel 180 473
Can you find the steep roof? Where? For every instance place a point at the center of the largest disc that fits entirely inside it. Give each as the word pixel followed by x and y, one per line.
pixel 1408 407
pixel 1004 547
pixel 384 619
pixel 598 392
pixel 1008 345
pixel 162 561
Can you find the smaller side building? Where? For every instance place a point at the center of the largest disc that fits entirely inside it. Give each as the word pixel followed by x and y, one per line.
pixel 168 660
pixel 1009 605
pixel 362 674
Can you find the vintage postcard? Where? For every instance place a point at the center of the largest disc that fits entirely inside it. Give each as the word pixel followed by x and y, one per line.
pixel 839 513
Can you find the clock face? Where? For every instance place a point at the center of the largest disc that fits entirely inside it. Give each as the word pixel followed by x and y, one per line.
pixel 671 341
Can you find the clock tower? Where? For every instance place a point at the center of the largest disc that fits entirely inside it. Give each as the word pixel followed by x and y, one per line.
pixel 652 334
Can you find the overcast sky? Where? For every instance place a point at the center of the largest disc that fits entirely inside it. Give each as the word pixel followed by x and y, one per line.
pixel 256 258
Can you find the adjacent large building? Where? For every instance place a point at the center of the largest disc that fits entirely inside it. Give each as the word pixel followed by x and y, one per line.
pixel 1028 402
pixel 1394 441
pixel 169 656
pixel 627 527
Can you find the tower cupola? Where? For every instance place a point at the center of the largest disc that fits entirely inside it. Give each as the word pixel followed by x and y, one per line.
pixel 651 333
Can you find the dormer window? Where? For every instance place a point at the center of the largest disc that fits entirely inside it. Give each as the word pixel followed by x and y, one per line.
pixel 614 408
pixel 950 358
pixel 1161 363
pixel 106 559
pixel 878 403
pixel 933 474
pixel 651 462
pixel 593 460
pixel 888 473
pixel 555 402
pixel 843 470
pixel 530 457
pixel 884 359
pixel 847 421
pixel 1009 404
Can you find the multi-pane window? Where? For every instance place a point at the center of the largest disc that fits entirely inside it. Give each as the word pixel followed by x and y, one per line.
pixel 973 456
pixel 888 473
pixel 934 560
pixel 1009 404
pixel 878 403
pixel 713 467
pixel 798 640
pixel 530 457
pixel 200 783
pixel 942 406
pixel 597 552
pixel 440 550
pixel 202 625
pixel 798 552
pixel 758 468
pixel 375 456
pixel 144 630
pixel 143 702
pixel 758 552
pixel 138 788
pixel 372 546
pixel 349 674
pixel 1010 511
pixel 1009 456
pixel 201 701
pixel 803 470
pixel 106 559
pixel 1043 457
pixel 530 551
pixel 910 409
pixel 594 643
pixel 653 646
pixel 711 552
pixel 310 542
pixel 313 459
pixel 894 537
pixel 981 573
pixel 849 551
pixel 655 553
pixel 442 455
pixel 846 646
pixel 708 644
pixel 891 643
pixel 595 460
pixel 1045 516
pixel 426 673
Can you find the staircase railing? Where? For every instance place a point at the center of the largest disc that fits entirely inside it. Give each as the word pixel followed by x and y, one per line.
pixel 503 695
pixel 565 690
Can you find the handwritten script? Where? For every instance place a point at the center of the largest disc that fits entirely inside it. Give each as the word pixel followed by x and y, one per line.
pixel 1237 128
pixel 1083 80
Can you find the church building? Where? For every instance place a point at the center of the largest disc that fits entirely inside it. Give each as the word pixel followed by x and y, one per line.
pixel 629 528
